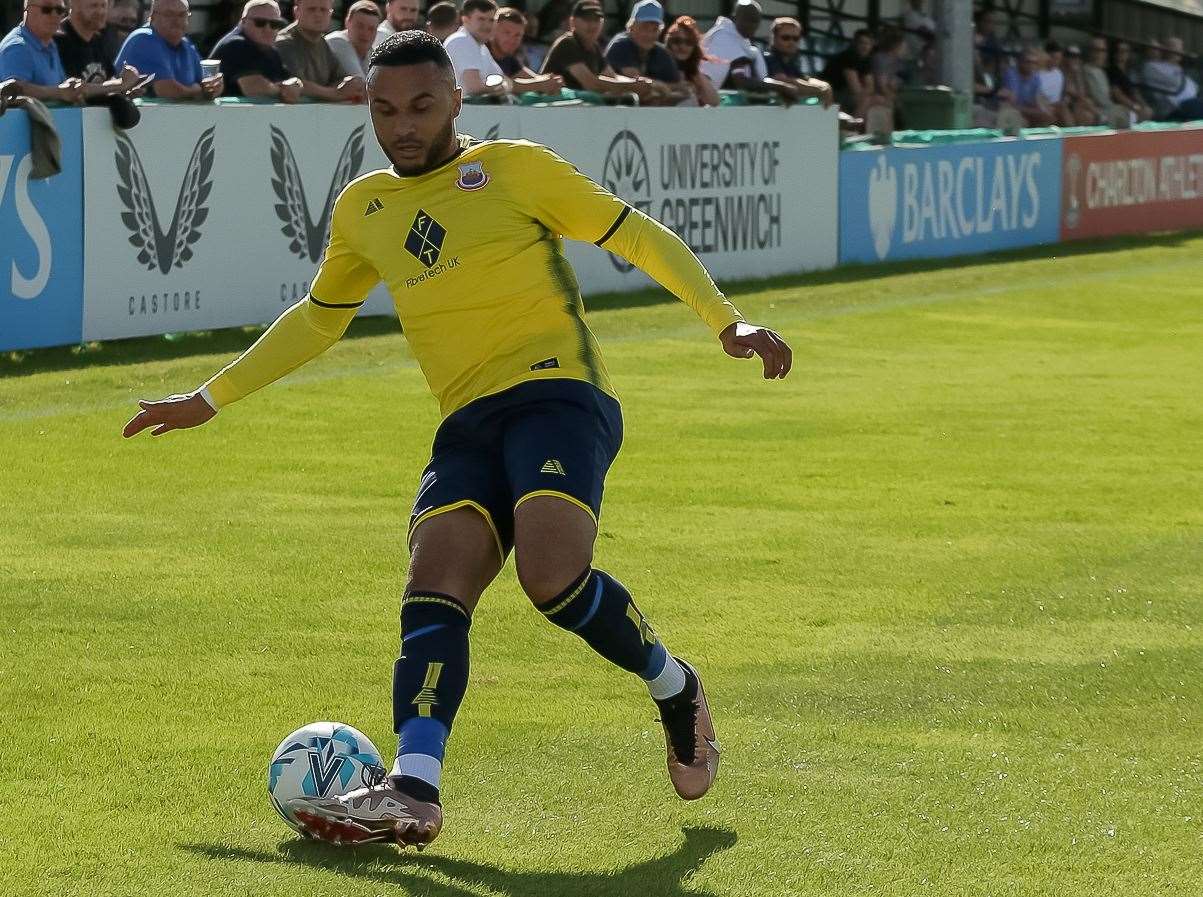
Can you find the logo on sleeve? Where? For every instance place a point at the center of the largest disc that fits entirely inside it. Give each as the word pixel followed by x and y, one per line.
pixel 425 240
pixel 472 176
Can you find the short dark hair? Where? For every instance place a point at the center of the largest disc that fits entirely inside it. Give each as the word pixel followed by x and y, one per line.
pixel 410 48
pixel 509 14
pixel 471 6
pixel 442 14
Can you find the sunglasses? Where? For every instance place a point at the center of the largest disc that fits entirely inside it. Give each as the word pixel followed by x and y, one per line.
pixel 273 24
pixel 680 42
pixel 789 38
pixel 52 10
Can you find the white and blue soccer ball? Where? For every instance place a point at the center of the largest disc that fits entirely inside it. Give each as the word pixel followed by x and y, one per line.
pixel 321 760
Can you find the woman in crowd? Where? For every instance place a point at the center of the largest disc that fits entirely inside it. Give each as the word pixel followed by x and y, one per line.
pixel 684 42
pixel 1082 109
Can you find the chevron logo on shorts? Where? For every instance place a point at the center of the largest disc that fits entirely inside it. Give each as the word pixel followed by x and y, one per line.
pixel 552 466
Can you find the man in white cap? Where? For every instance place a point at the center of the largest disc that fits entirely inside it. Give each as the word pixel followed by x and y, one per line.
pixel 638 53
pixel 735 63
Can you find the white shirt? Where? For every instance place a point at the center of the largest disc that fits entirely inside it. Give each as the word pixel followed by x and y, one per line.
pixel 1052 84
pixel 384 31
pixel 351 61
pixel 467 54
pixel 726 44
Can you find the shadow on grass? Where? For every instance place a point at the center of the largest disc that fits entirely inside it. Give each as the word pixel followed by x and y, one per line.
pixel 666 876
pixel 233 340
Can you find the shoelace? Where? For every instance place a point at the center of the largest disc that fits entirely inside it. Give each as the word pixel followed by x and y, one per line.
pixel 679 718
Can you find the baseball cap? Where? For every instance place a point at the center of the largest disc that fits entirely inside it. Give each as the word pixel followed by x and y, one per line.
pixel 588 9
pixel 648 11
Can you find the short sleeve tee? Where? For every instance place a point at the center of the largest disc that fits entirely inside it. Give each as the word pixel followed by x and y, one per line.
pixel 622 53
pixel 87 60
pixel 240 56
pixel 310 60
pixel 566 52
pixel 835 72
pixel 151 55
pixel 779 65
pixel 467 54
pixel 24 57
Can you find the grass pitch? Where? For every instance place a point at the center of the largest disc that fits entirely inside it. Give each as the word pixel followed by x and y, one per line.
pixel 943 583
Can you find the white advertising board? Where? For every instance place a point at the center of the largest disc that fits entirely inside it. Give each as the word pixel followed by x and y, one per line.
pixel 214 217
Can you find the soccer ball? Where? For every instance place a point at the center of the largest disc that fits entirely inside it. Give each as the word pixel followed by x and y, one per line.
pixel 321 760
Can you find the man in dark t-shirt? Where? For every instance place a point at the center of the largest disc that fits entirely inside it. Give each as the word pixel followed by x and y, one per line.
pixel 577 56
pixel 850 73
pixel 637 52
pixel 250 63
pixel 84 50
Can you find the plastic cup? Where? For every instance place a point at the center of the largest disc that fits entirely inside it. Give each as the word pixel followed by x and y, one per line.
pixel 210 67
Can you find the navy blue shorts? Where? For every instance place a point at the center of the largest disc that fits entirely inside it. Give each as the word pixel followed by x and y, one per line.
pixel 543 437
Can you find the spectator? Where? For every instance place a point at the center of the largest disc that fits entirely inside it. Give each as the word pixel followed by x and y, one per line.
pixel 249 59
pixel 886 65
pixel 684 42
pixel 1100 90
pixel 1123 88
pixel 81 47
pixel 919 28
pixel 785 61
pixel 476 72
pixel 850 73
pixel 637 53
pixel 303 49
pixel 399 15
pixel 1166 85
pixel 576 56
pixel 124 16
pixel 986 39
pixel 161 48
pixel 353 44
pixel 1082 110
pixel 1052 83
pixel 442 20
pixel 505 44
pixel 29 55
pixel 985 94
pixel 1021 86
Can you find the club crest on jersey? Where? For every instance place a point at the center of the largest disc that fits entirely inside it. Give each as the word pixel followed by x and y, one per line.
pixel 471 176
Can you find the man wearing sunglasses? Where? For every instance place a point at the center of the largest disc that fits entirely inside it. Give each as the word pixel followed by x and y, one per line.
pixel 29 55
pixel 162 48
pixel 249 59
pixel 786 62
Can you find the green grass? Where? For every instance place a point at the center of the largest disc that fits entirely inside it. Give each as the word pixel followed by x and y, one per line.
pixel 944 583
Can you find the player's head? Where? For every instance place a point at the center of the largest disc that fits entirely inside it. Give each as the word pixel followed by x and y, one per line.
pixel 414 101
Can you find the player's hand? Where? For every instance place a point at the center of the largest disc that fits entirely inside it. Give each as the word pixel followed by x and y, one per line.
pixel 172 413
pixel 743 340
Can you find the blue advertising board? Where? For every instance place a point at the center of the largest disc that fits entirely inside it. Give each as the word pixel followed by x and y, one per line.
pixel 41 252
pixel 927 202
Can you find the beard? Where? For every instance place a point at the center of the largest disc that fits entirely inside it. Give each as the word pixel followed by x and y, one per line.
pixel 441 149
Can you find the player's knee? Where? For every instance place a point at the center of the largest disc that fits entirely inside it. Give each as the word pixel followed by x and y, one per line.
pixel 543 581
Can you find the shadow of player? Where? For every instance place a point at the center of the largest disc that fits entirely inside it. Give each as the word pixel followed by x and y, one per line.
pixel 420 873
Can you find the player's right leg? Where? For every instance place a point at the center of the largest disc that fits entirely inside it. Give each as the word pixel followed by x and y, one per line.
pixel 454 556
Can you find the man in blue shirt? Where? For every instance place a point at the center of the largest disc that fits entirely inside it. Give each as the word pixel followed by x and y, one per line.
pixel 637 53
pixel 162 49
pixel 1021 86
pixel 29 55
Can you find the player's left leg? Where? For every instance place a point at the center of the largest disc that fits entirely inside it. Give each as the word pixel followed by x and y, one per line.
pixel 557 452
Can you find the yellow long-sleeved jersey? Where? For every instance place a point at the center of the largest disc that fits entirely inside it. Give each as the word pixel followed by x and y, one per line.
pixel 473 258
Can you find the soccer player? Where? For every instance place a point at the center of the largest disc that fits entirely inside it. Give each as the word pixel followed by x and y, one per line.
pixel 468 236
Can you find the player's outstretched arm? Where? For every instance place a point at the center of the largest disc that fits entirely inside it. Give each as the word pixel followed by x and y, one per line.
pixel 302 333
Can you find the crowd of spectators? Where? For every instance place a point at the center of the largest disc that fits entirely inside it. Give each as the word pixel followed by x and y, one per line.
pixel 101 48
pixel 1048 84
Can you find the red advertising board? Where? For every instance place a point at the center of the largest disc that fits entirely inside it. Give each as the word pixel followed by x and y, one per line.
pixel 1132 182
